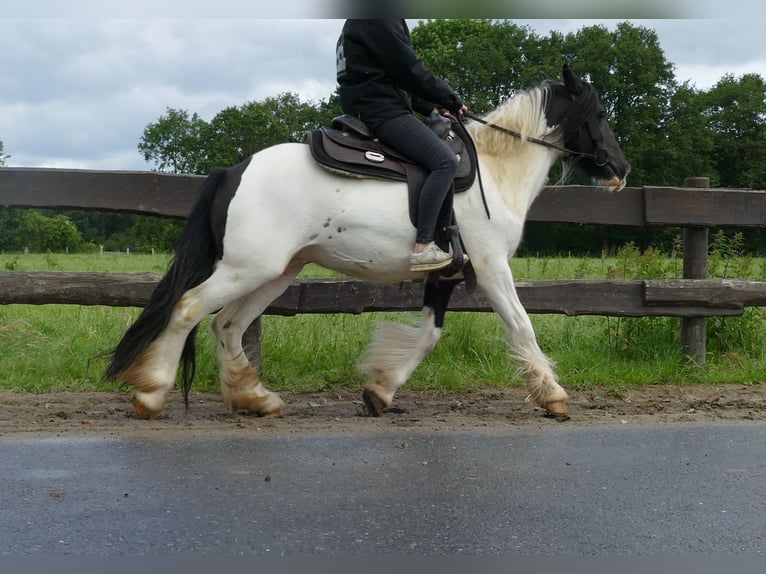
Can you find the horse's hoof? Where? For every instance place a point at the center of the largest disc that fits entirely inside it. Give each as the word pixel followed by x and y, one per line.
pixel 374 404
pixel 273 406
pixel 557 410
pixel 147 406
pixel 269 405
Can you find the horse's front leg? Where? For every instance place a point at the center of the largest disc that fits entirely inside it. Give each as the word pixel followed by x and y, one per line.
pixel 396 349
pixel 496 282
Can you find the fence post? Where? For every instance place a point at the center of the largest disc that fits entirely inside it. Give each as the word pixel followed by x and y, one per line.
pixel 693 329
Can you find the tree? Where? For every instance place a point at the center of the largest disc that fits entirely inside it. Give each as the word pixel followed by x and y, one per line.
pixel 145 234
pixel 684 145
pixel 9 222
pixel 31 229
pixel 735 116
pixel 235 133
pixel 181 142
pixel 735 111
pixel 96 227
pixel 485 61
pixel 635 82
pixel 3 156
pixel 174 142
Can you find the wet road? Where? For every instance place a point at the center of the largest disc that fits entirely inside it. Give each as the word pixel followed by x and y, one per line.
pixel 676 489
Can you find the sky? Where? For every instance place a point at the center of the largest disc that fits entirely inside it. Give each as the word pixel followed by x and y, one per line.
pixel 80 80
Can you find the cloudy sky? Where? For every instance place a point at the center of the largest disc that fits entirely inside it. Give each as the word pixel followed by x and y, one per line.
pixel 78 86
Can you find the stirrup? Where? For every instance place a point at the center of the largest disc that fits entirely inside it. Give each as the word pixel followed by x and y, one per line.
pixel 459 259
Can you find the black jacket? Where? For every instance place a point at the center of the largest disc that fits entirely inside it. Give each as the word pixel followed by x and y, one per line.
pixel 381 77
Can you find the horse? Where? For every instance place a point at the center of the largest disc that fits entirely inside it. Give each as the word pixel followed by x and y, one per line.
pixel 255 225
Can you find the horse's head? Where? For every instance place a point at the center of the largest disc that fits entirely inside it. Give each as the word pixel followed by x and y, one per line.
pixel 574 108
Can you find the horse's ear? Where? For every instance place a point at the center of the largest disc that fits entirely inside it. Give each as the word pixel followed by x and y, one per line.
pixel 571 80
pixel 544 77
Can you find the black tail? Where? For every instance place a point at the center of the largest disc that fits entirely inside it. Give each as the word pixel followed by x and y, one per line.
pixel 195 254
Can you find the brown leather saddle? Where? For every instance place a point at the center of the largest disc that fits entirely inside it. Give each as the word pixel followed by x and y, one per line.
pixel 348 147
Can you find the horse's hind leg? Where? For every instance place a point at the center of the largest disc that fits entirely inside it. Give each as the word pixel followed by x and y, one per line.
pixel 241 387
pixel 396 349
pixel 153 372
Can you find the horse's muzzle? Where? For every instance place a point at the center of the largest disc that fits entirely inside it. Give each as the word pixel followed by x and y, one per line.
pixel 614 184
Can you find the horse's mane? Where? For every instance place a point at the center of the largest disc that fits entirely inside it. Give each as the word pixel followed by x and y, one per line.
pixel 523 112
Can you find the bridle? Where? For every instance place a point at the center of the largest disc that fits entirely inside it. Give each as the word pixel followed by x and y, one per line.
pixel 600 157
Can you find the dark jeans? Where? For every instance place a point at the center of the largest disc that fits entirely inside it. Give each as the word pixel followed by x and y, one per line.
pixel 413 138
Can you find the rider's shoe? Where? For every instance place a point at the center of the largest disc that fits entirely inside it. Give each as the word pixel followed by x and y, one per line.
pixel 430 259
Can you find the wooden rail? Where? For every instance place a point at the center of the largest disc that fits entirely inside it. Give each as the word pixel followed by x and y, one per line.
pixel 639 298
pixel 695 207
pixel 168 195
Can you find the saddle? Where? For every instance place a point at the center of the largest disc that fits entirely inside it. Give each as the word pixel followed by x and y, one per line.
pixel 348 147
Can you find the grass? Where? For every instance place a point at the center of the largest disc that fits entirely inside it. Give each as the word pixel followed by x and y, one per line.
pixel 57 347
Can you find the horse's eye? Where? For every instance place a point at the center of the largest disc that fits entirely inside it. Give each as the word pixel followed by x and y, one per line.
pixel 601 115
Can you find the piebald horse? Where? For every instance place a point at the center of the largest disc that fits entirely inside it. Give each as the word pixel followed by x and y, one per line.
pixel 256 225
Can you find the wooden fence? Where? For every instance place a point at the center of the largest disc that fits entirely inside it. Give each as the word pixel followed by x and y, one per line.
pixel 695 207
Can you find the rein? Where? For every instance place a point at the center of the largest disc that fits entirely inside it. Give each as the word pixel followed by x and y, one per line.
pixel 601 157
pixel 598 158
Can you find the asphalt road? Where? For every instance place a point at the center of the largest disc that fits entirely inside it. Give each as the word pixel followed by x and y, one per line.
pixel 676 489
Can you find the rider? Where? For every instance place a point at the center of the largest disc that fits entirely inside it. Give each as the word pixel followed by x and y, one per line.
pixel 381 82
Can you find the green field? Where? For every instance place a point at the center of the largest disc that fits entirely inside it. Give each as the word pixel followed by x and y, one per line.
pixel 58 347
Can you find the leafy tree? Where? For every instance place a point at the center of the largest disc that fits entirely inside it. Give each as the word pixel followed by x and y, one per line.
pixel 180 142
pixel 96 227
pixel 485 61
pixel 146 233
pixel 684 145
pixel 40 233
pixel 174 142
pixel 635 82
pixel 235 133
pixel 9 222
pixel 3 156
pixel 736 118
pixel 735 114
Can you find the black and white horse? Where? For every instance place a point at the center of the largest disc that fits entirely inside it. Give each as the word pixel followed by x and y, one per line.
pixel 257 224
